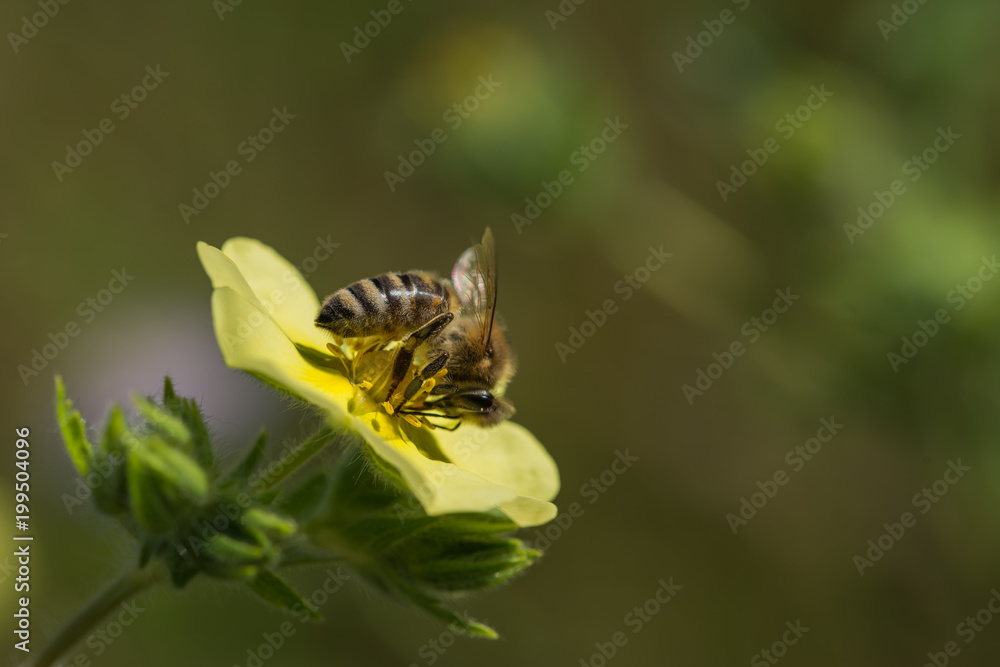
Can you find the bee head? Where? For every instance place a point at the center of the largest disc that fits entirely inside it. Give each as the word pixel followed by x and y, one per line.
pixel 477 406
pixel 475 362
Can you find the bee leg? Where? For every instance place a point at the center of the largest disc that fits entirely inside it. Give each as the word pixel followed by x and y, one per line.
pixel 404 355
pixel 444 428
pixel 424 416
pixel 429 371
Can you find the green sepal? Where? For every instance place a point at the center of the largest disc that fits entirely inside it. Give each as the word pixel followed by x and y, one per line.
pixel 117 437
pixel 172 429
pixel 199 442
pixel 181 572
pixel 246 466
pixel 111 496
pixel 74 430
pixel 269 523
pixel 384 470
pixel 432 606
pixel 164 485
pixel 473 566
pixel 275 590
pixel 232 552
pixel 384 533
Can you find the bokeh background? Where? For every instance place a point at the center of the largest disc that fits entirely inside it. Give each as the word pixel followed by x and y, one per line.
pixel 321 181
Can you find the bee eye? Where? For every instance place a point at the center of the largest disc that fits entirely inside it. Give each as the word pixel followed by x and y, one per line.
pixel 489 351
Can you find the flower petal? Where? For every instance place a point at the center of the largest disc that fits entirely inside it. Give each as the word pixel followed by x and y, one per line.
pixel 441 487
pixel 224 273
pixel 280 289
pixel 506 454
pixel 527 512
pixel 252 342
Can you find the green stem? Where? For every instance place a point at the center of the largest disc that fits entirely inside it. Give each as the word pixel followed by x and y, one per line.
pixel 298 456
pixel 122 590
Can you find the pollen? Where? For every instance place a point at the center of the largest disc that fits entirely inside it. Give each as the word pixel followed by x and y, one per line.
pixel 370 363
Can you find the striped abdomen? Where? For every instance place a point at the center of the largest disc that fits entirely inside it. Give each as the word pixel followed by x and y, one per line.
pixel 392 303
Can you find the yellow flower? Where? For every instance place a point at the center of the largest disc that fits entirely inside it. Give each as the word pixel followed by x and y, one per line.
pixel 264 311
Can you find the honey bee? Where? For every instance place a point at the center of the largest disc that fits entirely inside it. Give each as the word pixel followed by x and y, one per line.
pixel 439 324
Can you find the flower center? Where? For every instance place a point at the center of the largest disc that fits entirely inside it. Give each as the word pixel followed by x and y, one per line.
pixel 399 381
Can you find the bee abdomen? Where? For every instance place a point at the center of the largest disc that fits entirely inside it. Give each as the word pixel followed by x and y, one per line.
pixel 387 304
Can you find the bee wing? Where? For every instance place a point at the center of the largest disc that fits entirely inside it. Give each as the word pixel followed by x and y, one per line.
pixel 475 280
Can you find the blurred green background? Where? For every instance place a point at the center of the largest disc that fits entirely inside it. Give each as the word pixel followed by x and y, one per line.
pixel 321 181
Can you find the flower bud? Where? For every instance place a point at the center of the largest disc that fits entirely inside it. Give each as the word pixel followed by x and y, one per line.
pixel 160 480
pixel 164 485
pixel 386 535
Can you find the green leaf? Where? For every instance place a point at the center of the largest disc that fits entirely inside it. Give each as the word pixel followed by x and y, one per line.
pixel 275 590
pixel 303 501
pixel 455 620
pixel 247 465
pixel 74 430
